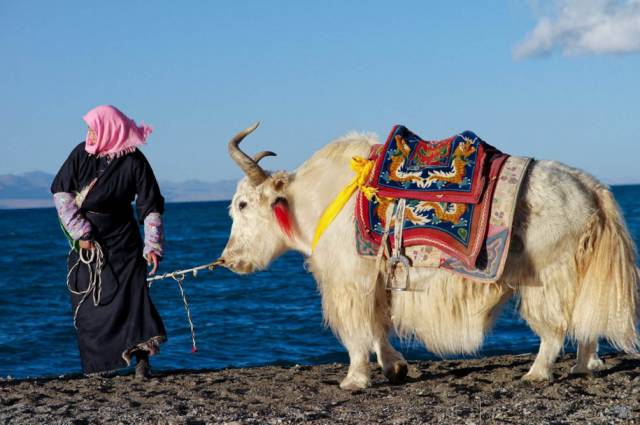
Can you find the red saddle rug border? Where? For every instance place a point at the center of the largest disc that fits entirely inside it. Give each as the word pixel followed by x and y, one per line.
pixel 471 197
pixel 433 237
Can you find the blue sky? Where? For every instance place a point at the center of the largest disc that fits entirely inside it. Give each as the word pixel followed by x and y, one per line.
pixel 549 79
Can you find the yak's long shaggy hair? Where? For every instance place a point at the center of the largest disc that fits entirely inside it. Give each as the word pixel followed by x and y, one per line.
pixel 575 276
pixel 572 264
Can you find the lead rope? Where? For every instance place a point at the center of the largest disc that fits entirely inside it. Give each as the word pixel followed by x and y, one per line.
pixel 95 277
pixel 179 276
pixel 95 282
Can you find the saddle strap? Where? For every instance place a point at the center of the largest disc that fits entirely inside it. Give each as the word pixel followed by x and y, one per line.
pixel 398 264
pixel 398 227
pixel 384 249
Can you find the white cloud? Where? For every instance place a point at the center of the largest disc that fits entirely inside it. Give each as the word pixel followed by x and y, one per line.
pixel 583 27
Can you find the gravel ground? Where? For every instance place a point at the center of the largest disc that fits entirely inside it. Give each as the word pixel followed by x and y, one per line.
pixel 475 391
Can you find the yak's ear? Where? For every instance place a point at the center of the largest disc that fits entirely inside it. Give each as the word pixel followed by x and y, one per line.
pixel 277 195
pixel 279 182
pixel 276 186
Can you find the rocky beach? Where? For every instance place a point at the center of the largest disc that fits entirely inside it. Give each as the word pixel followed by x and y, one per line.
pixel 470 391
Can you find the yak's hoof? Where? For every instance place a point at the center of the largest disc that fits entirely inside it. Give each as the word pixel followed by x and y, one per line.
pixel 593 365
pixel 398 373
pixel 352 383
pixel 535 376
pixel 576 370
pixel 596 365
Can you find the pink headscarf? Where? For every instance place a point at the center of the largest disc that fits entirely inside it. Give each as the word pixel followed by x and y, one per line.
pixel 116 134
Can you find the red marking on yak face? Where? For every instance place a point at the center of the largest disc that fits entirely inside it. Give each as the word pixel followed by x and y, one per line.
pixel 281 211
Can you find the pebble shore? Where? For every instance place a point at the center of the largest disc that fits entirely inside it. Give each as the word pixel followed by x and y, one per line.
pixel 473 391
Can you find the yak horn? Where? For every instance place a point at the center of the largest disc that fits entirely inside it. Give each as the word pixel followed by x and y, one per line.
pixel 247 164
pixel 257 157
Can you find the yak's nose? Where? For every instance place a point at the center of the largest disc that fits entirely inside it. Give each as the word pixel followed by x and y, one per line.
pixel 233 262
pixel 239 266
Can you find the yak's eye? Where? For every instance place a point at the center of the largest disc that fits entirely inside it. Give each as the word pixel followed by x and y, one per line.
pixel 241 205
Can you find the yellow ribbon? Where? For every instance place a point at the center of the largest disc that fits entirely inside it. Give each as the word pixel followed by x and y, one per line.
pixel 362 168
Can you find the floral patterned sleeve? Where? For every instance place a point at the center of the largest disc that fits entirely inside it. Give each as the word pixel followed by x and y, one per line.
pixel 76 225
pixel 153 234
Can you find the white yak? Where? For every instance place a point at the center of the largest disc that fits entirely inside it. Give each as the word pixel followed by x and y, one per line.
pixel 572 264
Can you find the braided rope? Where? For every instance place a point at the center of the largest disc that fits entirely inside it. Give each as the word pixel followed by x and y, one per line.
pixel 95 277
pixel 193 270
pixel 95 282
pixel 179 276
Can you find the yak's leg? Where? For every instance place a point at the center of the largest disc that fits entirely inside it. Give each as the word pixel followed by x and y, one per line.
pixel 543 307
pixel 349 311
pixel 550 346
pixel 355 309
pixel 393 364
pixel 588 359
pixel 359 370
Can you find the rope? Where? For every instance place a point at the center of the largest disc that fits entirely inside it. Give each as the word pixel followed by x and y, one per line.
pixel 179 276
pixel 95 282
pixel 95 277
pixel 193 270
pixel 179 280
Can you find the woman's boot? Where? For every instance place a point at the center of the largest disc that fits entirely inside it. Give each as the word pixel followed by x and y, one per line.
pixel 143 369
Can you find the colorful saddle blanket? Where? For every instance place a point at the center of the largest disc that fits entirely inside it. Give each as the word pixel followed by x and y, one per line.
pixel 449 187
pixel 409 167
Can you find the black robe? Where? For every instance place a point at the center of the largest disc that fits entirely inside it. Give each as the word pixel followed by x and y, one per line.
pixel 125 316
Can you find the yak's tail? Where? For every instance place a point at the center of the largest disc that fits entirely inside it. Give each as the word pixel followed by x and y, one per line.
pixel 606 304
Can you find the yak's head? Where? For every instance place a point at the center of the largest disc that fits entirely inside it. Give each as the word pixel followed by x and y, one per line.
pixel 262 225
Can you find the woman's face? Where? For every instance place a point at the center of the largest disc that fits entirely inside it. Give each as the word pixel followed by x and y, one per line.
pixel 92 139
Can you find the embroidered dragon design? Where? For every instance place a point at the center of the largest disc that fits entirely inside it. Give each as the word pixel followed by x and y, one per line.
pixel 444 211
pixel 457 173
pixel 398 160
pixel 409 214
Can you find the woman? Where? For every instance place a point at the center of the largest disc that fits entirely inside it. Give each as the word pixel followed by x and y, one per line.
pixel 93 192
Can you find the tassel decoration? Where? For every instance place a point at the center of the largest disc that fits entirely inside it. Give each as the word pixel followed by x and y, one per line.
pixel 281 211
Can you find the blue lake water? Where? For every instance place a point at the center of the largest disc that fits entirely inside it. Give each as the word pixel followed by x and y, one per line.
pixel 269 317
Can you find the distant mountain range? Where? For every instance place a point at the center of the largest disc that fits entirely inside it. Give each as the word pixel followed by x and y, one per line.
pixel 31 190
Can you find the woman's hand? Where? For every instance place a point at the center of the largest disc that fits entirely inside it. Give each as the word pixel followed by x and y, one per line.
pixel 152 258
pixel 86 244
